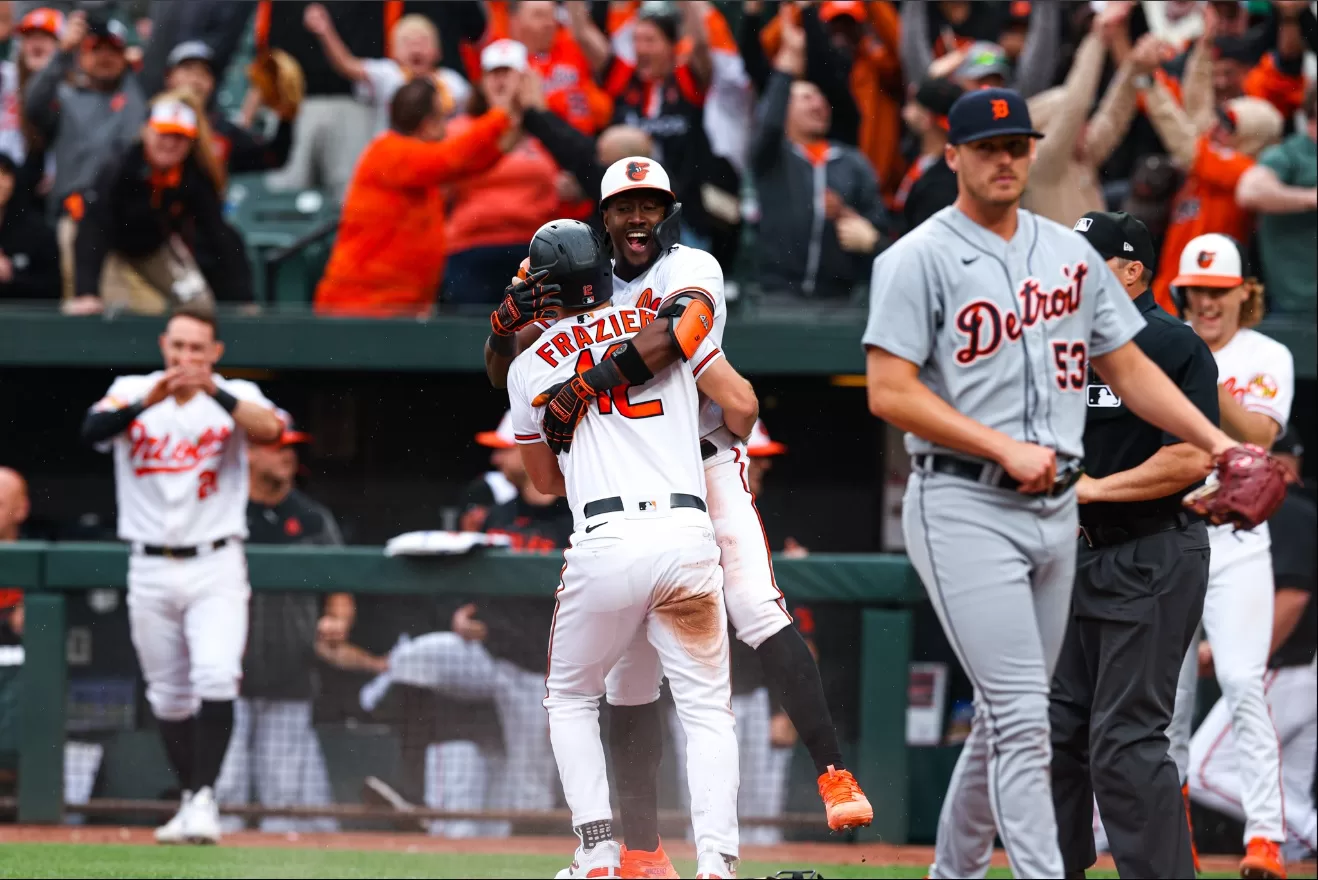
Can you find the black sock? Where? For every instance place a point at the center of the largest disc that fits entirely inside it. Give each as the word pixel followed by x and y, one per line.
pixel 636 745
pixel 214 727
pixel 594 832
pixel 790 670
pixel 180 744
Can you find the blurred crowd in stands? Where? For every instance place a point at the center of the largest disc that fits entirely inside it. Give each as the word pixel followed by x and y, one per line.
pixel 802 137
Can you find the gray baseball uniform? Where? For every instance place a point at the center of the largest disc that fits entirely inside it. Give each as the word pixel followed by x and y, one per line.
pixel 1003 332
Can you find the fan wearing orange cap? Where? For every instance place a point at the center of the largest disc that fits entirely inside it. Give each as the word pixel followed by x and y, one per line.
pixel 1256 386
pixel 154 208
pixel 38 38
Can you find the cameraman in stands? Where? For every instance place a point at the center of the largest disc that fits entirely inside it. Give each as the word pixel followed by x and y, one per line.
pixel 149 212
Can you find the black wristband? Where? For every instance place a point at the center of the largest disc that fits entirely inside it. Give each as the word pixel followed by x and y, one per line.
pixel 633 367
pixel 603 376
pixel 504 345
pixel 225 399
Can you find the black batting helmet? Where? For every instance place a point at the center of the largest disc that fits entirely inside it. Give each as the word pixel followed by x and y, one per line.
pixel 577 262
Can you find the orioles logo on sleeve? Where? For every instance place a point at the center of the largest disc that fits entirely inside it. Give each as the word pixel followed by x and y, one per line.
pixel 1000 109
pixel 1263 386
pixel 1205 259
pixel 637 170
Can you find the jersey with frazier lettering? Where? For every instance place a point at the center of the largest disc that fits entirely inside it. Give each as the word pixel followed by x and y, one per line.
pixel 678 269
pixel 633 440
pixel 180 470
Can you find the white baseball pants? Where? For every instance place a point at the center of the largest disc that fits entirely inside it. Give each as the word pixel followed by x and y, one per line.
pixel 1215 765
pixel 1238 624
pixel 755 604
pixel 274 751
pixel 461 777
pixel 652 576
pixel 764 766
pixel 188 620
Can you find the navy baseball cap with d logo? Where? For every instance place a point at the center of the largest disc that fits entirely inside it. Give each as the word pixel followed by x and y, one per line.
pixel 989 113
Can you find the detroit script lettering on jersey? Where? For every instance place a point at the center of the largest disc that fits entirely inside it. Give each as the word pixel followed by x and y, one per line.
pixel 563 344
pixel 166 455
pixel 984 326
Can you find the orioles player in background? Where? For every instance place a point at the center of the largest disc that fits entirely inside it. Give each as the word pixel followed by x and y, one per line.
pixel 179 438
pixel 643 564
pixel 684 288
pixel 1256 384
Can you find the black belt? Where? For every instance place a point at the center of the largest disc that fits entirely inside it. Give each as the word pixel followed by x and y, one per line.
pixel 181 552
pixel 615 505
pixel 1111 534
pixel 1068 472
pixel 707 450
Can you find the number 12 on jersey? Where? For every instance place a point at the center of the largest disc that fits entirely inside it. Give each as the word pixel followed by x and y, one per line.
pixel 619 398
pixel 1072 359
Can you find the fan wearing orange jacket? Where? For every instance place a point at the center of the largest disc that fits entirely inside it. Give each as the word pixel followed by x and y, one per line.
pixel 389 258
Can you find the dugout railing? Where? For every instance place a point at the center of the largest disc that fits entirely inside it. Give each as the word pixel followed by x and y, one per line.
pixel 883 588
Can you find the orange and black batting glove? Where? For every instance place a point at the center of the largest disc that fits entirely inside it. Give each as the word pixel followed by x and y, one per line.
pixel 565 406
pixel 524 302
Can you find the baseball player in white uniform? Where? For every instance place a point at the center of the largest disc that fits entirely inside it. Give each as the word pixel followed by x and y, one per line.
pixel 683 287
pixel 1256 385
pixel 1290 685
pixel 179 438
pixel 983 322
pixel 643 562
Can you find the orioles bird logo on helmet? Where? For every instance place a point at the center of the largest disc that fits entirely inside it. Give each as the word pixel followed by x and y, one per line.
pixel 637 170
pixel 1205 259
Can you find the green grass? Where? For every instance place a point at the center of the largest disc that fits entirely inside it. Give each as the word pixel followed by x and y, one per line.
pixel 114 861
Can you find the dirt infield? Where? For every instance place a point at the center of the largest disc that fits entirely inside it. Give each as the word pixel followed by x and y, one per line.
pixel 370 841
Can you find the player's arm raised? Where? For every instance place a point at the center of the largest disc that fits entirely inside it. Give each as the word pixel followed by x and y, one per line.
pixel 513 326
pixel 730 390
pixel 111 417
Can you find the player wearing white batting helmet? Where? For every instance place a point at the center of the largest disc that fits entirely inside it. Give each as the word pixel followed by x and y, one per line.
pixel 683 287
pixel 1256 386
pixel 179 438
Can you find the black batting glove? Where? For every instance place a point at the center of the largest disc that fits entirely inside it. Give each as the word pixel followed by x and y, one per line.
pixel 525 302
pixel 565 406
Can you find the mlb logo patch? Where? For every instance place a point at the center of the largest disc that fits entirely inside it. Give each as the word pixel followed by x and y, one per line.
pixel 1083 224
pixel 1102 397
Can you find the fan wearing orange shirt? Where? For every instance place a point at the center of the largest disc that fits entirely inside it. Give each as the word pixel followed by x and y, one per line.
pixel 570 89
pixel 1214 163
pixel 389 258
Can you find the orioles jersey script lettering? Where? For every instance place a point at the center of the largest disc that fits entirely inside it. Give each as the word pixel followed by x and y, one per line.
pixel 180 469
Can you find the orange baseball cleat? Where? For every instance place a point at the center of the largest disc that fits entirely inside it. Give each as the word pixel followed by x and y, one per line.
pixel 1262 861
pixel 844 802
pixel 1194 850
pixel 639 864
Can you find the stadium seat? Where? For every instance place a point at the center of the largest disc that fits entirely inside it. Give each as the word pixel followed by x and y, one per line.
pixel 270 221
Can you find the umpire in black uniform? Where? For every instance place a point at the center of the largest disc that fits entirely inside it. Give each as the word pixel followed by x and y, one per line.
pixel 1142 571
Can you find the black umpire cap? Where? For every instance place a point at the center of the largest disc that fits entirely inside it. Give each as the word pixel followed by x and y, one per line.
pixel 987 113
pixel 1117 234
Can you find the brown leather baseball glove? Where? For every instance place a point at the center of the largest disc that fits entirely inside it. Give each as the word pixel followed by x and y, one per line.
pixel 278 78
pixel 1250 487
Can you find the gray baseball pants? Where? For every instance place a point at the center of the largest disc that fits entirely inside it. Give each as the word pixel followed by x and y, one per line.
pixel 998 567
